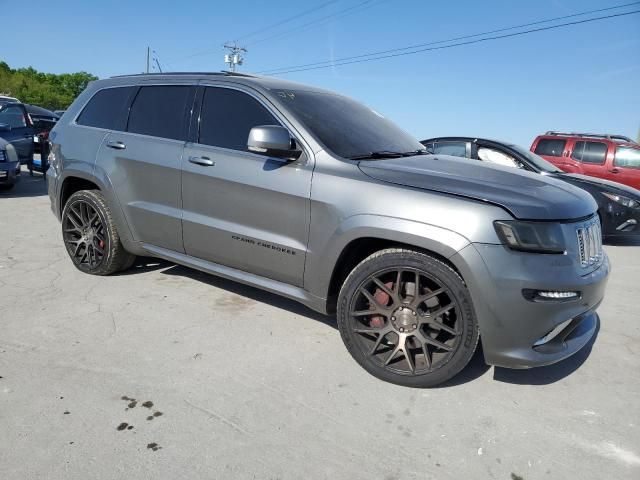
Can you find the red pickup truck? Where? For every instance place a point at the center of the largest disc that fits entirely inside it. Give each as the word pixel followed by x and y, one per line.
pixel 612 157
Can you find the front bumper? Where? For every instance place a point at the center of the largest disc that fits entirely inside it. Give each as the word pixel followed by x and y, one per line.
pixel 9 173
pixel 517 332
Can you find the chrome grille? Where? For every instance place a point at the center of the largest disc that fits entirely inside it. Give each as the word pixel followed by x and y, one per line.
pixel 590 243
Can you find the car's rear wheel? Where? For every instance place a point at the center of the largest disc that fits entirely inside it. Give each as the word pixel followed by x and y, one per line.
pixel 90 235
pixel 407 318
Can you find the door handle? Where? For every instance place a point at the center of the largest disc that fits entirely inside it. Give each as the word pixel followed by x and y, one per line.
pixel 116 145
pixel 27 135
pixel 204 161
pixel 614 170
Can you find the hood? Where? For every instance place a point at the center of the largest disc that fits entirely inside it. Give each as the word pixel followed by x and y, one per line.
pixel 525 195
pixel 600 183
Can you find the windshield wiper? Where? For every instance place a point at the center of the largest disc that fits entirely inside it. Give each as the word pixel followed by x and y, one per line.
pixel 387 154
pixel 422 151
pixel 376 155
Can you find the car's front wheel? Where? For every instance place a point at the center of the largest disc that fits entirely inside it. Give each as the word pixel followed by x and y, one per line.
pixel 90 235
pixel 407 318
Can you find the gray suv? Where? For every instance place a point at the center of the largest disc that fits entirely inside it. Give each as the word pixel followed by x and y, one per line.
pixel 313 196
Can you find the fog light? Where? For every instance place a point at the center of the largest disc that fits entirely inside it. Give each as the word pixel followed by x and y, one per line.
pixel 553 294
pixel 549 295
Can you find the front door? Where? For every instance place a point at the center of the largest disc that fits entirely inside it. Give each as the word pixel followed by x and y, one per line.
pixel 20 133
pixel 241 209
pixel 626 166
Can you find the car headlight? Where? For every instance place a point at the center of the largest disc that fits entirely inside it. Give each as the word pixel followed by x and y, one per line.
pixel 540 237
pixel 3 156
pixel 622 200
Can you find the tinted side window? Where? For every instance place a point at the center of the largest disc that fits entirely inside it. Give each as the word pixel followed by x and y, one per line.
pixel 14 117
pixel 106 109
pixel 627 157
pixel 159 111
pixel 594 152
pixel 457 149
pixel 228 116
pixel 550 147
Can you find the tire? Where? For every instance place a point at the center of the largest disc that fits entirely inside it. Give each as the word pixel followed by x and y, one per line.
pixel 414 337
pixel 90 235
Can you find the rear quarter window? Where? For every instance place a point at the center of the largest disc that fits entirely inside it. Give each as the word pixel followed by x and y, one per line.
pixel 550 147
pixel 106 109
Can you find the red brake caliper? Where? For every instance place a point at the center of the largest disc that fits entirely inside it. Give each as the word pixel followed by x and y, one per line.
pixel 377 321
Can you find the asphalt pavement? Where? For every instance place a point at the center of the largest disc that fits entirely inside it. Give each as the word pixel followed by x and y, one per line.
pixel 166 373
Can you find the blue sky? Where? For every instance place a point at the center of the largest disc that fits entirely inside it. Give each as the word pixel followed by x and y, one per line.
pixel 582 78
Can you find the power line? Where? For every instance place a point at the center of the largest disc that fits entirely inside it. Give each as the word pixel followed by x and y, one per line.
pixel 286 20
pixel 338 63
pixel 276 71
pixel 281 34
pixel 344 11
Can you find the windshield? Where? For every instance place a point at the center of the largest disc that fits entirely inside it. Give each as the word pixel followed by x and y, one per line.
pixel 536 160
pixel 345 127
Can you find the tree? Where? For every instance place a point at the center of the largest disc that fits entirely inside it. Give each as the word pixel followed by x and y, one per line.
pixel 48 90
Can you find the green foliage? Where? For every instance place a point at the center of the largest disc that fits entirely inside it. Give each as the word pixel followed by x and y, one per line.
pixel 55 92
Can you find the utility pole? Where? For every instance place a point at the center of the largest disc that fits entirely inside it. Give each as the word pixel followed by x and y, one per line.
pixel 234 57
pixel 148 53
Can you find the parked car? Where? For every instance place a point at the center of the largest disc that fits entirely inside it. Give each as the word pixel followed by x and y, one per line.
pixel 618 205
pixel 5 99
pixel 612 157
pixel 9 165
pixel 17 128
pixel 311 195
pixel 59 113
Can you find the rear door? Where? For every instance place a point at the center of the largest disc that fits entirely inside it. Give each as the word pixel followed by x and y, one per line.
pixel 556 151
pixel 143 163
pixel 21 130
pixel 592 156
pixel 626 166
pixel 241 209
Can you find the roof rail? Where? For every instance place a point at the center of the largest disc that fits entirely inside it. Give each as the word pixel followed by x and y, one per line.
pixel 594 135
pixel 158 74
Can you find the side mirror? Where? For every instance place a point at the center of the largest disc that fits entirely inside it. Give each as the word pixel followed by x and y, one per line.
pixel 4 127
pixel 273 141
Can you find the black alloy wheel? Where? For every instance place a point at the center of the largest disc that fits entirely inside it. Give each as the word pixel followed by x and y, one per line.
pixel 407 318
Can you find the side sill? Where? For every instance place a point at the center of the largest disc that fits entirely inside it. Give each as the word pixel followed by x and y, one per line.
pixel 279 288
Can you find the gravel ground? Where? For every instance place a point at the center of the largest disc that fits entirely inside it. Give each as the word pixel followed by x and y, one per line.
pixel 164 372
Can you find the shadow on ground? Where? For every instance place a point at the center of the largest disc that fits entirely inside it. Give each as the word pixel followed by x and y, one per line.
pixel 146 264
pixel 28 186
pixel 474 369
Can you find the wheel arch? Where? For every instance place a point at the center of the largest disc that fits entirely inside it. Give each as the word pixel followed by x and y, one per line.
pixel 328 270
pixel 75 181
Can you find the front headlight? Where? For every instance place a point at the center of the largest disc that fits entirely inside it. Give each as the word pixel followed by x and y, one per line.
pixel 3 156
pixel 622 200
pixel 539 237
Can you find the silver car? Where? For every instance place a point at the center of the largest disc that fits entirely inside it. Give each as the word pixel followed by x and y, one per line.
pixel 316 197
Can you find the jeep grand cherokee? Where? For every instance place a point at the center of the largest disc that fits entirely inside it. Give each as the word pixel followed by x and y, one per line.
pixel 316 197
